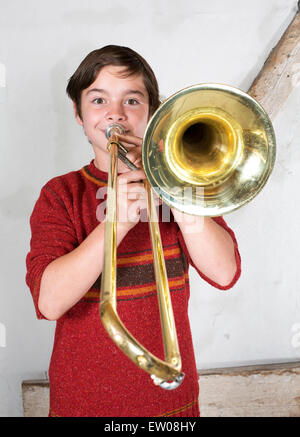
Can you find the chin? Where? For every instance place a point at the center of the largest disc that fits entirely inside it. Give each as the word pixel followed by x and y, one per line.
pixel 102 147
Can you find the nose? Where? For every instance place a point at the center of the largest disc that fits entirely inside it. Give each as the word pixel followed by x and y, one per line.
pixel 115 113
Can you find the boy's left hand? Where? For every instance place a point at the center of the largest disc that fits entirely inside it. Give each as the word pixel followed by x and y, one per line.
pixel 134 146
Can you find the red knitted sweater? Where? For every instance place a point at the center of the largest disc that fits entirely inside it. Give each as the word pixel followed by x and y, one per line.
pixel 89 375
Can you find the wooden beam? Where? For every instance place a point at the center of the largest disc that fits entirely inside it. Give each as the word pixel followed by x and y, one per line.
pixel 246 370
pixel 281 71
pixel 271 390
pixel 35 394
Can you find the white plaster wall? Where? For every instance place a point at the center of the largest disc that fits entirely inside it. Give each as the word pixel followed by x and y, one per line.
pixel 186 42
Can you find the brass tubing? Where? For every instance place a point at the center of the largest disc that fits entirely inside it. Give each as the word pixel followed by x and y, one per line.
pixel 166 374
pixel 108 281
pixel 171 348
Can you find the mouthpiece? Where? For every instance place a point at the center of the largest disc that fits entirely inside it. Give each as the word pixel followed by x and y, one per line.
pixel 114 128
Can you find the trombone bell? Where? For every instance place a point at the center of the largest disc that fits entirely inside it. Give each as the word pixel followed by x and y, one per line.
pixel 214 138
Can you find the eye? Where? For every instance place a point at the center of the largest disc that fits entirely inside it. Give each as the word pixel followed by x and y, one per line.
pixel 99 101
pixel 132 101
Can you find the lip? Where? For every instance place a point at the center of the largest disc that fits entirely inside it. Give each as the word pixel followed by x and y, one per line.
pixel 127 131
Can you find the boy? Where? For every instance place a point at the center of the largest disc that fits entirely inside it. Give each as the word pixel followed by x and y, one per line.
pixel 89 376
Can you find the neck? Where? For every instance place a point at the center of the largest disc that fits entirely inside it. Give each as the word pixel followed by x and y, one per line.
pixel 102 163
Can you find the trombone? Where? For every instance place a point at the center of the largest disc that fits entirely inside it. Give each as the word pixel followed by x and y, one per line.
pixel 213 138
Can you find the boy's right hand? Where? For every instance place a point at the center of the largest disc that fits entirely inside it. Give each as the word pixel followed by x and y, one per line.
pixel 132 194
pixel 131 198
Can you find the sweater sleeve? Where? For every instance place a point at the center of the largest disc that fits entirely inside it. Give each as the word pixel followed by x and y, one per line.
pixel 52 235
pixel 222 223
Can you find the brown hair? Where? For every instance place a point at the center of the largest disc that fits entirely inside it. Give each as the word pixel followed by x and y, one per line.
pixel 90 67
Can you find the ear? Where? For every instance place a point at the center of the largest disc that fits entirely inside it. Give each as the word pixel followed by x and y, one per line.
pixel 79 121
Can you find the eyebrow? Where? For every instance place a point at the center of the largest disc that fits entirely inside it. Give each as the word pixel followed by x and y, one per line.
pixel 126 92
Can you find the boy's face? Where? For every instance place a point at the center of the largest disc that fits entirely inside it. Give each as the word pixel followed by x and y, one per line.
pixel 112 98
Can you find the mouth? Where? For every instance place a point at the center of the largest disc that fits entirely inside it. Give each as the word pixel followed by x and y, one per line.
pixel 127 131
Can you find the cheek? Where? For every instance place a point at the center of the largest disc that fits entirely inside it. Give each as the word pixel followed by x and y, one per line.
pixel 140 122
pixel 91 112
pixel 91 119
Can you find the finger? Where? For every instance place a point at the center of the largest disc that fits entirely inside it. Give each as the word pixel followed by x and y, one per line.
pixel 131 139
pixel 138 162
pixel 136 187
pixel 136 191
pixel 134 156
pixel 131 176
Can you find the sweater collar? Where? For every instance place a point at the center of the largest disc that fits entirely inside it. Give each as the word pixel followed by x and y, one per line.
pixel 95 175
